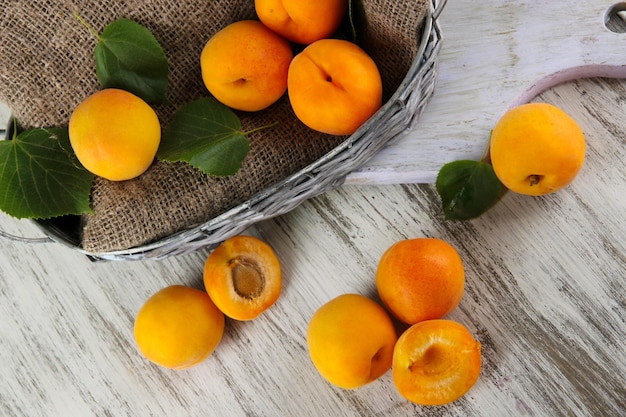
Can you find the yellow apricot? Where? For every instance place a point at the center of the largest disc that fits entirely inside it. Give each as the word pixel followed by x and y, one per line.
pixel 178 327
pixel 537 149
pixel 351 340
pixel 115 134
pixel 245 65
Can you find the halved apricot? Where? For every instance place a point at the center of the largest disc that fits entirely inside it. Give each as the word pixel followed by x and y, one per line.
pixel 243 277
pixel 435 362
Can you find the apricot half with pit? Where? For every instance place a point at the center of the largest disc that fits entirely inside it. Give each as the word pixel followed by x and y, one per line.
pixel 243 277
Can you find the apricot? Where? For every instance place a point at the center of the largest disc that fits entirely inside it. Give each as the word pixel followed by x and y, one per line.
pixel 115 134
pixel 537 149
pixel 334 86
pixel 302 22
pixel 243 277
pixel 178 327
pixel 435 362
pixel 351 340
pixel 420 279
pixel 245 65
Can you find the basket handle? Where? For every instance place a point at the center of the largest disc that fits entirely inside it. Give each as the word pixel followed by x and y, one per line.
pixel 439 5
pixel 21 239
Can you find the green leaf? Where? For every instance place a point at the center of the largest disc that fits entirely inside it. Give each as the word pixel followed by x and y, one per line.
pixel 468 189
pixel 206 134
pixel 40 176
pixel 129 57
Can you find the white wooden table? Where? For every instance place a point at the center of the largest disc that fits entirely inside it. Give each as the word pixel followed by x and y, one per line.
pixel 545 295
pixel 497 54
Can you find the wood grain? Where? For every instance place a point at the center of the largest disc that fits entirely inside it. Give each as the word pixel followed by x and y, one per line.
pixel 496 54
pixel 544 295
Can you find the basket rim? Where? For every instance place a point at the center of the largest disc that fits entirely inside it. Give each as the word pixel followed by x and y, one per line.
pixel 425 38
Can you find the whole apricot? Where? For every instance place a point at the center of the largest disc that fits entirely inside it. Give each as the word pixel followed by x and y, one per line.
pixel 351 340
pixel 243 277
pixel 420 279
pixel 537 149
pixel 435 362
pixel 334 86
pixel 302 22
pixel 115 134
pixel 245 65
pixel 178 327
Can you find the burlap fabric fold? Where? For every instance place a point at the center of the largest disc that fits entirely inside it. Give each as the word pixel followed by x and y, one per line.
pixel 47 68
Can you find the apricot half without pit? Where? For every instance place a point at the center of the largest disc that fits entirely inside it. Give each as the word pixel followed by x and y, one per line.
pixel 243 277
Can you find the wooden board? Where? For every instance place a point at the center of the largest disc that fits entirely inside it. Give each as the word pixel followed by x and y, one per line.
pixel 544 295
pixel 496 54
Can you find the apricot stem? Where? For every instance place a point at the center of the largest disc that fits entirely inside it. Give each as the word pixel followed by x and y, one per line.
pixel 534 179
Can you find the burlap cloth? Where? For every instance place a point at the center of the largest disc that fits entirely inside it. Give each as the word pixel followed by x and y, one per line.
pixel 47 68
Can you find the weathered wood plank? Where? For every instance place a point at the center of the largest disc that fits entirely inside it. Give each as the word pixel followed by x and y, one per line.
pixel 496 54
pixel 544 295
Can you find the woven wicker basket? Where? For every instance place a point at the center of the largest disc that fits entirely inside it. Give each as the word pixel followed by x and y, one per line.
pixel 397 115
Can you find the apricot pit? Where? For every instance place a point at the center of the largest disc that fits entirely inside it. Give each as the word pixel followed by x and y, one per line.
pixel 243 277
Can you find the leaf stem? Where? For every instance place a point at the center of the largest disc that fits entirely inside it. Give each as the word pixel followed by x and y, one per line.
pixel 89 28
pixel 14 129
pixel 256 129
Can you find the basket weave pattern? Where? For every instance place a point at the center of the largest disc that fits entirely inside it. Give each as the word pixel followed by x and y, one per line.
pixel 342 155
pixel 401 112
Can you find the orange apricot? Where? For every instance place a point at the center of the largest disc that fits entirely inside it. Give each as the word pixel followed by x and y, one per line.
pixel 178 327
pixel 115 134
pixel 420 279
pixel 243 277
pixel 435 362
pixel 245 65
pixel 351 340
pixel 334 86
pixel 302 22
